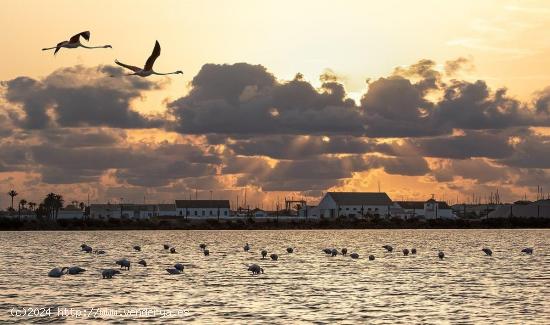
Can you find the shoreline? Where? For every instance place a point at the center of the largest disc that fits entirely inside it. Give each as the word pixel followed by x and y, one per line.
pixel 213 224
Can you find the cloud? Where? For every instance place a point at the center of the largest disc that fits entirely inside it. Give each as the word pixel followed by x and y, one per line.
pixel 476 169
pixel 246 99
pixel 299 147
pixel 531 151
pixel 461 63
pixel 471 144
pixel 79 97
pixel 395 107
pixel 241 126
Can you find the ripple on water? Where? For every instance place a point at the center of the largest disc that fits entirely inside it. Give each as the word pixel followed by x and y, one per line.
pixel 306 286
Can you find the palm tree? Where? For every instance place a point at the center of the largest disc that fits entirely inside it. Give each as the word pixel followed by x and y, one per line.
pixel 13 194
pixel 49 204
pixel 23 203
pixel 58 204
pixel 32 205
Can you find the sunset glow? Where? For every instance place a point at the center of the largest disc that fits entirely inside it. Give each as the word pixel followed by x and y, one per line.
pixel 278 99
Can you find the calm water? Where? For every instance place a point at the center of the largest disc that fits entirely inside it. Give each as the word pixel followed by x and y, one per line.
pixel 304 287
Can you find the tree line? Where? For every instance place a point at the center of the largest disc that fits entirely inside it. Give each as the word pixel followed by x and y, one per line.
pixel 48 208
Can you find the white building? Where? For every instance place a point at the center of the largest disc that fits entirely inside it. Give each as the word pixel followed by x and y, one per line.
pixel 166 210
pixel 23 215
pixel 70 212
pixel 430 209
pixel 537 209
pixel 309 211
pixel 354 204
pixel 202 208
pixel 105 211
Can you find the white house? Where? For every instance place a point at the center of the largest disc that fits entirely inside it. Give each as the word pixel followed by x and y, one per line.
pixel 309 211
pixel 202 208
pixel 70 212
pixel 105 211
pixel 147 211
pixel 23 215
pixel 430 209
pixel 354 204
pixel 166 210
pixel 138 211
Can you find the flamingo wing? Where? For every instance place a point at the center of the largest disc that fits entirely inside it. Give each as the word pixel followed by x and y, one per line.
pixel 76 37
pixel 127 66
pixel 58 47
pixel 153 57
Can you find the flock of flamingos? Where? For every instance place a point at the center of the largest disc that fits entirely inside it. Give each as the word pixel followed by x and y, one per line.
pixel 254 268
pixel 147 70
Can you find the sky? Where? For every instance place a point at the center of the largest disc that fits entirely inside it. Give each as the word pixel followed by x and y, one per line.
pixel 278 99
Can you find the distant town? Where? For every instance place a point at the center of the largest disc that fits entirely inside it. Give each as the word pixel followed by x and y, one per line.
pixel 334 206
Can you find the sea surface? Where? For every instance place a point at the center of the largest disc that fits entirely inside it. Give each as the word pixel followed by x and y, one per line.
pixel 306 286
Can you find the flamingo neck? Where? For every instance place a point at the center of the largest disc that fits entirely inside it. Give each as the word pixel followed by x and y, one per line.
pixel 164 74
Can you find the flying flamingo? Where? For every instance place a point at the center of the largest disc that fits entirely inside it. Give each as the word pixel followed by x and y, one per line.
pixel 148 68
pixel 74 42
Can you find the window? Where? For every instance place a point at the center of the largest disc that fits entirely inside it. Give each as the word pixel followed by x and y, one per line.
pixel 347 208
pixel 181 212
pixel 225 213
pixel 203 213
pixel 354 209
pixel 195 212
pixel 210 212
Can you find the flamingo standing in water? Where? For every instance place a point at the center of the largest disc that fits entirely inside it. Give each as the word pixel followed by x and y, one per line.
pixel 148 68
pixel 255 269
pixel 74 42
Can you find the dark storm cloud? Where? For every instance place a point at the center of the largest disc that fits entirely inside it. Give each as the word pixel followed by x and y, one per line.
pixel 407 166
pixel 473 106
pixel 5 127
pixel 316 174
pixel 161 173
pixel 530 152
pixel 243 100
pixel 395 107
pixel 77 97
pixel 83 137
pixel 246 99
pixel 471 144
pixel 13 157
pixel 300 147
pixel 476 169
pixel 140 166
pixel 533 177
pixel 301 174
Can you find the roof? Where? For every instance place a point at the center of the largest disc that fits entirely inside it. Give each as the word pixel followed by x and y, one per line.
pixel 360 198
pixel 71 208
pixel 411 204
pixel 442 205
pixel 202 204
